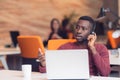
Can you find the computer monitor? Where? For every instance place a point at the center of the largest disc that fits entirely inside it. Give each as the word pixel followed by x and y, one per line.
pixel 14 35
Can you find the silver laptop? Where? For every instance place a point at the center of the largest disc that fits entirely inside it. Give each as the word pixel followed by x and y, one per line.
pixel 67 64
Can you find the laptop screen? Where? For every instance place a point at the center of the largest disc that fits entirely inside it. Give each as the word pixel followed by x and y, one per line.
pixel 67 64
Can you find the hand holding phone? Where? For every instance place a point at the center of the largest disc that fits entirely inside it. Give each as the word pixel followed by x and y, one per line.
pixel 91 39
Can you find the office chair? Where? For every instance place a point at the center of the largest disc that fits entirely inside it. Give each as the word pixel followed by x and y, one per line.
pixel 29 46
pixel 114 42
pixel 56 43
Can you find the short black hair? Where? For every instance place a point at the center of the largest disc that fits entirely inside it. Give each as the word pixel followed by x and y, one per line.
pixel 88 19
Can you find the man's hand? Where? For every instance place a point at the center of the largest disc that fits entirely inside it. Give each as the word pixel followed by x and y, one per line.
pixel 91 39
pixel 91 42
pixel 41 58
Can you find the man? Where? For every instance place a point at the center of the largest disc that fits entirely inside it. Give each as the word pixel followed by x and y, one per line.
pixel 98 53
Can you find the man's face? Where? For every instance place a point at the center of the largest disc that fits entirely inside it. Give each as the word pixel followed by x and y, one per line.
pixel 82 30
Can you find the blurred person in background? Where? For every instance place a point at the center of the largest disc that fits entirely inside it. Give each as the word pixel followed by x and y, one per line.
pixel 54 26
pixel 63 31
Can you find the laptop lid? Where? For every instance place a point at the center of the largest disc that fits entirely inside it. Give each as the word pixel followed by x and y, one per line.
pixel 67 64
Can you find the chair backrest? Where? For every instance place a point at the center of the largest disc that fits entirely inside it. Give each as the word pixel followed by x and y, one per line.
pixel 29 46
pixel 56 43
pixel 114 42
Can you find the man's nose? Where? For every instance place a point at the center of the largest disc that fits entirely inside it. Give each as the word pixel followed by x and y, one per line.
pixel 79 30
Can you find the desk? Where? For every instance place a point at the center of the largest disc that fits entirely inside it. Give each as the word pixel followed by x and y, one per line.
pixel 7 51
pixel 17 75
pixel 114 60
pixel 113 57
pixel 103 78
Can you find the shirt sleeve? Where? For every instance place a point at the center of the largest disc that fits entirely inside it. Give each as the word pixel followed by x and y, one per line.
pixel 42 69
pixel 101 60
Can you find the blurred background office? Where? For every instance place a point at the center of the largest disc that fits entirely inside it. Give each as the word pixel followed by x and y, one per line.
pixel 33 17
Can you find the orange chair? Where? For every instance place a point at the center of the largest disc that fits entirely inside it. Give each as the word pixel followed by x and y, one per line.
pixel 29 46
pixel 56 43
pixel 114 42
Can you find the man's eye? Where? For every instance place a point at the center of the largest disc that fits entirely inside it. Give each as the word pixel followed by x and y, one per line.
pixel 84 28
pixel 77 27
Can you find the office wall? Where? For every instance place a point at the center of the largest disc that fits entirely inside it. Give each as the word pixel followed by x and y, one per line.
pixel 32 17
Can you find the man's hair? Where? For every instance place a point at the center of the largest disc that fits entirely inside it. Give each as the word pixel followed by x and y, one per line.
pixel 88 19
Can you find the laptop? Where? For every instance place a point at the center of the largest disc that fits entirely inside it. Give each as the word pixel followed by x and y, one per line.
pixel 67 64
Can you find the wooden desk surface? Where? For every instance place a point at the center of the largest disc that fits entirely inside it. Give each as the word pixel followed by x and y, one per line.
pixel 9 51
pixel 18 75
